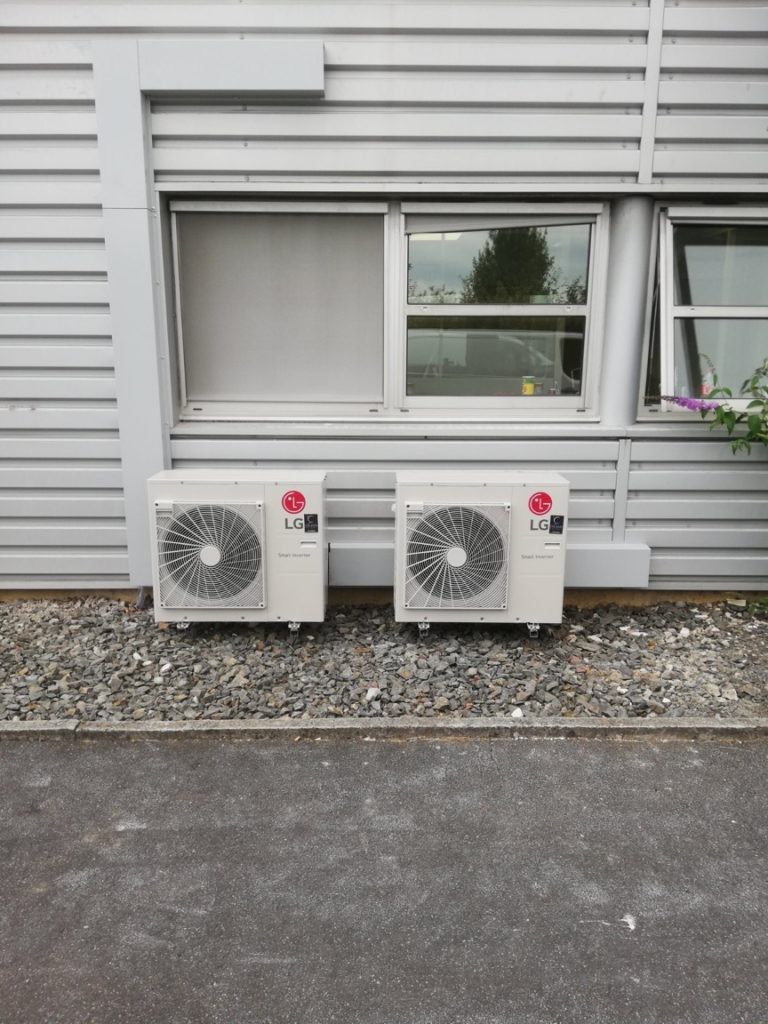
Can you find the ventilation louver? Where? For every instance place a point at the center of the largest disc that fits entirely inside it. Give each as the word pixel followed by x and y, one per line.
pixel 456 556
pixel 209 555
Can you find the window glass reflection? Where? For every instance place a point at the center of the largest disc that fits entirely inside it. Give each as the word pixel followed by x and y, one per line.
pixel 728 350
pixel 495 356
pixel 516 266
pixel 721 264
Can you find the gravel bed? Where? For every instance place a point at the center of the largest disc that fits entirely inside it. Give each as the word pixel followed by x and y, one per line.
pixel 100 660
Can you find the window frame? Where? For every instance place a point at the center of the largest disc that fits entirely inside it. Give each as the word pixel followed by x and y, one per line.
pixel 670 311
pixel 510 406
pixel 396 405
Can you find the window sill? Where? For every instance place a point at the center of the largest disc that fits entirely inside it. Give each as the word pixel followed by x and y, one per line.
pixel 533 410
pixel 400 428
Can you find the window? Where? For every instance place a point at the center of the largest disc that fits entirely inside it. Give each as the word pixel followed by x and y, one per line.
pixel 497 310
pixel 713 316
pixel 299 309
pixel 279 308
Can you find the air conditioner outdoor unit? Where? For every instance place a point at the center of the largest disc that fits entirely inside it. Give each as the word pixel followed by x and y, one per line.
pixel 246 546
pixel 480 547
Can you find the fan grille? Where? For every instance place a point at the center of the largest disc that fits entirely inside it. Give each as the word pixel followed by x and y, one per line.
pixel 211 556
pixel 456 556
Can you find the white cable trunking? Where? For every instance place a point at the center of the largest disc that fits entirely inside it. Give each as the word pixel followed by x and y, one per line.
pixel 248 546
pixel 480 547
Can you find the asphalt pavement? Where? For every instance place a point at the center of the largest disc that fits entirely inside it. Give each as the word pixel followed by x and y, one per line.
pixel 284 881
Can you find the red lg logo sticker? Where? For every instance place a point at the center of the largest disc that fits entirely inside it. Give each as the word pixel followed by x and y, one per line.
pixel 540 503
pixel 294 502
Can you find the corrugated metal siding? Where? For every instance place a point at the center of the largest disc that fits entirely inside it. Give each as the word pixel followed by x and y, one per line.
pixel 514 91
pixel 61 503
pixel 361 477
pixel 702 510
pixel 517 92
pixel 509 91
pixel 713 94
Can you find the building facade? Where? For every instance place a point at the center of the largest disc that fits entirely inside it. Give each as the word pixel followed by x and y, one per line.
pixel 368 236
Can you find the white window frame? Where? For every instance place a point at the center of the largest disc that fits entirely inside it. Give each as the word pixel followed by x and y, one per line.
pixel 396 404
pixel 510 214
pixel 670 312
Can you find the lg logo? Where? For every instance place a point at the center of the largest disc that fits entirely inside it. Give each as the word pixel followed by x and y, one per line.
pixel 294 502
pixel 540 503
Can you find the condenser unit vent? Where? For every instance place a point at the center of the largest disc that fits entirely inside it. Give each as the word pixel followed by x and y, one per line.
pixel 456 556
pixel 210 556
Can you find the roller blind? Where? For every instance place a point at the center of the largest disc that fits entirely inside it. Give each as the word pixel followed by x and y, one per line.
pixel 279 307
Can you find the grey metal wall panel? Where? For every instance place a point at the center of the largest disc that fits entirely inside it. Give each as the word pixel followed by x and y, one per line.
pixel 61 503
pixel 607 565
pixel 702 510
pixel 517 92
pixel 372 564
pixel 327 17
pixel 474 92
pixel 712 115
pixel 361 484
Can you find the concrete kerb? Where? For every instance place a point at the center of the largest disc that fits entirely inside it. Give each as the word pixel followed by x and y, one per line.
pixel 405 728
pixel 52 730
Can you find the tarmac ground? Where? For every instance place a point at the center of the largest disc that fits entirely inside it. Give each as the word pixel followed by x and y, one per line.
pixel 381 881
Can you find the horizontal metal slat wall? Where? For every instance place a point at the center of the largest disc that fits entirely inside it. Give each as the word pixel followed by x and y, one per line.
pixel 361 483
pixel 61 500
pixel 702 510
pixel 516 92
pixel 712 118
pixel 540 92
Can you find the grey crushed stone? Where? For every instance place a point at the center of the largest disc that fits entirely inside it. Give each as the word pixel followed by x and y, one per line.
pixel 101 660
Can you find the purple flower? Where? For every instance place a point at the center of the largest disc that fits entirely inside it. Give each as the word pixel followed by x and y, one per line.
pixel 696 404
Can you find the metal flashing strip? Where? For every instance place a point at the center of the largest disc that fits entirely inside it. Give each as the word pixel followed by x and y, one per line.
pixel 402 186
pixel 651 101
pixel 286 67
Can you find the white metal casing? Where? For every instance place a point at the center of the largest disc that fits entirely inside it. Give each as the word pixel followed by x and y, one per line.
pixel 535 556
pixel 294 560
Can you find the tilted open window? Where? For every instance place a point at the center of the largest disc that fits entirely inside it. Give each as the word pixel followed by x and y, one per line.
pixel 713 309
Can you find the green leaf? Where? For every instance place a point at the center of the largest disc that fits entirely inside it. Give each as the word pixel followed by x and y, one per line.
pixel 753 416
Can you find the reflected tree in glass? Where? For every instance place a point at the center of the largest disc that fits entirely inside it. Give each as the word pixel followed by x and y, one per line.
pixel 515 265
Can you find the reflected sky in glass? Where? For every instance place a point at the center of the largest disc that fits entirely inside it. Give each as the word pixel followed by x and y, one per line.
pixel 518 265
